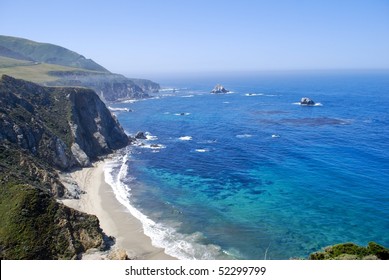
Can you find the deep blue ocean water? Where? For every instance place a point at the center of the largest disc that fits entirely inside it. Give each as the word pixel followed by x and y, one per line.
pixel 254 175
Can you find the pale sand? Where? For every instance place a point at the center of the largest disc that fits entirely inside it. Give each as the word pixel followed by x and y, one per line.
pixel 115 219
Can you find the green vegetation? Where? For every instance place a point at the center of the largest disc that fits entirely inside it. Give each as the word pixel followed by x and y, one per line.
pixel 27 217
pixel 48 53
pixel 32 224
pixel 351 251
pixel 35 226
pixel 6 62
pixel 35 72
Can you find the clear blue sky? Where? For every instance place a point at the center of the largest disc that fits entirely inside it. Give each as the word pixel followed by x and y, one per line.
pixel 145 37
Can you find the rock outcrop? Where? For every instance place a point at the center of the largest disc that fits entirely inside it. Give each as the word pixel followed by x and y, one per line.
pixel 307 101
pixel 66 127
pixel 140 135
pixel 219 89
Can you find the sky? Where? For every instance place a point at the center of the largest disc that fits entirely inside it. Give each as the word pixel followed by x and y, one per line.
pixel 147 37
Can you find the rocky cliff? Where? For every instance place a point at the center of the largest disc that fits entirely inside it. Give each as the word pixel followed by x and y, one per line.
pixel 66 127
pixel 42 130
pixel 110 87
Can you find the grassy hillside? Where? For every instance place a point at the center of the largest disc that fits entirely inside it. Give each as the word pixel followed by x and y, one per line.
pixel 48 53
pixel 31 71
pixel 34 71
pixel 6 62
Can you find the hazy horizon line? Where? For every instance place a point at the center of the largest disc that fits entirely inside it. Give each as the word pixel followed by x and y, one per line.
pixel 202 73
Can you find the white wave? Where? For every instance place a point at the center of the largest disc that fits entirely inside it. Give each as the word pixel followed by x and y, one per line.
pixel 188 96
pixel 243 136
pixel 166 89
pixel 150 137
pixel 275 136
pixel 181 246
pixel 185 138
pixel 119 109
pixel 208 142
pixel 299 103
pixel 202 150
pixel 131 101
pixel 182 114
pixel 254 94
pixel 226 102
pixel 153 146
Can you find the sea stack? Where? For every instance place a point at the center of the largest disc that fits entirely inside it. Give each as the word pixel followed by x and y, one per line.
pixel 140 135
pixel 307 101
pixel 219 89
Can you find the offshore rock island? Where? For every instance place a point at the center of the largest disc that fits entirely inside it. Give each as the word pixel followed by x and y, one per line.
pixel 219 89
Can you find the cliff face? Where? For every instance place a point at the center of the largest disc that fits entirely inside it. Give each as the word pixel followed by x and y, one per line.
pixel 110 87
pixel 67 127
pixel 94 129
pixel 43 129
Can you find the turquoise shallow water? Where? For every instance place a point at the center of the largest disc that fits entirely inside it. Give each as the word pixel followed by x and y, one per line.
pixel 252 174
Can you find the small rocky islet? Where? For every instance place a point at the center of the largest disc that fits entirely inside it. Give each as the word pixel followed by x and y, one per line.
pixel 219 89
pixel 307 101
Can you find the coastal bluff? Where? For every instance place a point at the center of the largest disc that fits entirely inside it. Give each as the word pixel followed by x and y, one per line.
pixel 66 127
pixel 44 130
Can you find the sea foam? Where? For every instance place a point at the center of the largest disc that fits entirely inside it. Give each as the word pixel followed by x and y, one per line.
pixel 243 136
pixel 185 138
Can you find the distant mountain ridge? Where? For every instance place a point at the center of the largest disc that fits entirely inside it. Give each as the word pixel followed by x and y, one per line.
pixel 33 61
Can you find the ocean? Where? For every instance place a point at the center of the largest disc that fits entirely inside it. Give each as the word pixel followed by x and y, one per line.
pixel 252 174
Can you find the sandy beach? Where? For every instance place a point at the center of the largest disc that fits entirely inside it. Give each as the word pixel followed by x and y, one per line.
pixel 115 219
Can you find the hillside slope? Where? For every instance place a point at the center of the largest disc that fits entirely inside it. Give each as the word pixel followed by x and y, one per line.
pixel 47 53
pixel 53 65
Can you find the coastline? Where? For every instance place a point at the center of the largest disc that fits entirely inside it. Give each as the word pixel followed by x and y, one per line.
pixel 97 198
